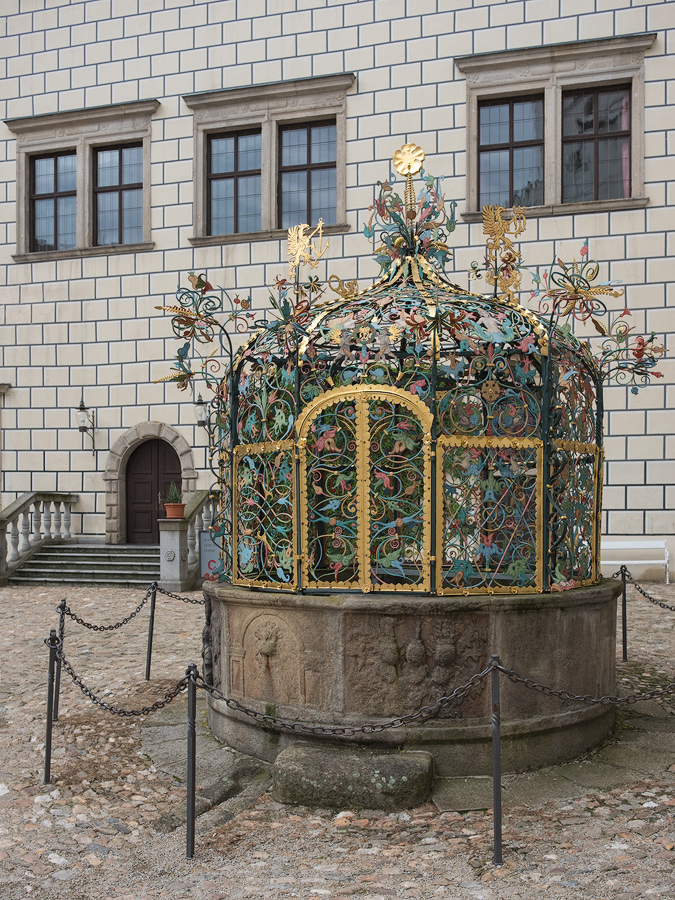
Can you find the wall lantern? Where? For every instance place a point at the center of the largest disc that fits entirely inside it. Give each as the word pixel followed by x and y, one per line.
pixel 86 421
pixel 200 412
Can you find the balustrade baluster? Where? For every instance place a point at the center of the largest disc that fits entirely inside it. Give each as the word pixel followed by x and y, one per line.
pixel 47 518
pixel 66 521
pixel 3 551
pixel 14 539
pixel 57 519
pixel 37 522
pixel 207 514
pixel 25 532
pixel 192 540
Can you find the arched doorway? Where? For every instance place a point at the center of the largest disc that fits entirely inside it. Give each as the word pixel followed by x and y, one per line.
pixel 150 469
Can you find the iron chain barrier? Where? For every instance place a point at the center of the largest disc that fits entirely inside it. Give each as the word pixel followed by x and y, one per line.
pixel 623 571
pixel 626 577
pixel 116 710
pixel 608 699
pixel 71 615
pixel 193 680
pixel 422 714
pixel 196 600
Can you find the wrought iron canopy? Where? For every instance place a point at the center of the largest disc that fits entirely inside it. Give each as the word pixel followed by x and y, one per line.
pixel 415 435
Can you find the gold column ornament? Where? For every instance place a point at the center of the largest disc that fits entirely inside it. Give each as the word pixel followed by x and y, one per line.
pixel 408 161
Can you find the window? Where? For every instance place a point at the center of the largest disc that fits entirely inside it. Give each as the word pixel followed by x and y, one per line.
pixel 268 157
pixel 234 183
pixel 307 174
pixel 118 193
pixel 596 144
pixel 549 128
pixel 77 193
pixel 511 152
pixel 52 201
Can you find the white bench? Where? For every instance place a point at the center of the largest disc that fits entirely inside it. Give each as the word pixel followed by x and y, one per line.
pixel 636 547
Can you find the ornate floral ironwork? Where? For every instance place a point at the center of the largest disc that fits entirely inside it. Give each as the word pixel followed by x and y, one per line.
pixel 413 435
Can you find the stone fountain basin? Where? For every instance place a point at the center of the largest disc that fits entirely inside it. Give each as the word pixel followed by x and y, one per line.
pixel 352 659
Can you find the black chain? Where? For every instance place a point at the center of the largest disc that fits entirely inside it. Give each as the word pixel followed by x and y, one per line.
pixel 183 599
pixel 116 710
pixel 640 589
pixel 584 698
pixel 128 619
pixel 426 712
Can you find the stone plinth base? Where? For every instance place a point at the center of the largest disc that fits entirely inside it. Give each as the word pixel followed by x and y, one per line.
pixel 349 660
pixel 340 779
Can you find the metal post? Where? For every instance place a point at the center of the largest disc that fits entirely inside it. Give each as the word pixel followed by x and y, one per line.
pixel 191 759
pixel 496 763
pixel 624 630
pixel 57 684
pixel 151 626
pixel 52 642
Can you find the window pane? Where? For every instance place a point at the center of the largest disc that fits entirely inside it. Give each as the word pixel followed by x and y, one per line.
pixel 248 203
pixel 528 120
pixel 66 223
pixel 613 168
pixel 44 175
pixel 323 197
pixel 577 113
pixel 222 206
pixel 494 178
pixel 132 217
pixel 107 162
pixel 65 167
pixel 44 225
pixel 528 176
pixel 578 171
pixel 293 198
pixel 107 219
pixel 324 143
pixel 613 111
pixel 494 124
pixel 222 155
pixel 294 147
pixel 132 165
pixel 249 152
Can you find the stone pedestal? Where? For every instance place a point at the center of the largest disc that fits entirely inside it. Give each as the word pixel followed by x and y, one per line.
pixel 173 547
pixel 349 659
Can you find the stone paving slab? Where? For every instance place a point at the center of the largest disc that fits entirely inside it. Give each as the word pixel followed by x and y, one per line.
pixel 92 834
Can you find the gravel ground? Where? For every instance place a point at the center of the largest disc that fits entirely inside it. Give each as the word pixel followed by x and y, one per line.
pixel 91 832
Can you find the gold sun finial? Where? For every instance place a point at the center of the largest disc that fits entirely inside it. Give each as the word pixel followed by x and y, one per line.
pixel 408 161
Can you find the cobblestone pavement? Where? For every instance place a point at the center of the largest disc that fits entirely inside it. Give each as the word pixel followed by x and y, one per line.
pixel 92 832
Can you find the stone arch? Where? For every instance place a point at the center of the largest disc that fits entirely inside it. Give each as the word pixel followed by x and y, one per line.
pixel 115 472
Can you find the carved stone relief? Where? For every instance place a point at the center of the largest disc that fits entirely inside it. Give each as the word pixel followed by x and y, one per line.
pixel 402 663
pixel 272 661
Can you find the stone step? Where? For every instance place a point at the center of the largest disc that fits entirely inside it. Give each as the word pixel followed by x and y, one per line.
pixel 62 562
pixel 138 570
pixel 122 581
pixel 93 557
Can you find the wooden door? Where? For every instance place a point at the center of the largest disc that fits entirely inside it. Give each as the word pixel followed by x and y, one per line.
pixel 150 470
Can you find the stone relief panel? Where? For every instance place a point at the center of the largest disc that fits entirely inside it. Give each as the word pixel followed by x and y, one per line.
pixel 396 664
pixel 271 664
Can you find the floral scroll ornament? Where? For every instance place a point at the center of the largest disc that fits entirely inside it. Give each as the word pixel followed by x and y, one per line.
pixel 570 292
pixel 412 232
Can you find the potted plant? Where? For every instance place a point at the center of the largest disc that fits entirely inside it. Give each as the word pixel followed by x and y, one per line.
pixel 173 502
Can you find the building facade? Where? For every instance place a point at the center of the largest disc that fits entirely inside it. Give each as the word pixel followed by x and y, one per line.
pixel 147 139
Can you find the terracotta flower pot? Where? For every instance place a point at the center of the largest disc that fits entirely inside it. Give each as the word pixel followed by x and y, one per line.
pixel 174 510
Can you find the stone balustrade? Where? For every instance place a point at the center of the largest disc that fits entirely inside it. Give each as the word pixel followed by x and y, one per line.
pixel 29 522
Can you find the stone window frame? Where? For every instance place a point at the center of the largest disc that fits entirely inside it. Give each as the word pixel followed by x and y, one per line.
pixel 82 130
pixel 550 70
pixel 268 107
